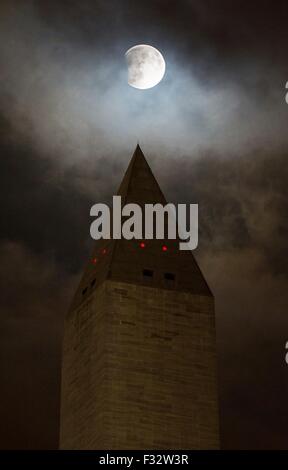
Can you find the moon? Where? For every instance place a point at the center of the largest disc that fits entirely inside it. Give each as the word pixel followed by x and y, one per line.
pixel 146 66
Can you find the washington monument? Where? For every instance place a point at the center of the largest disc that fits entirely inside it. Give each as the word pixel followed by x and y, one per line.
pixel 139 354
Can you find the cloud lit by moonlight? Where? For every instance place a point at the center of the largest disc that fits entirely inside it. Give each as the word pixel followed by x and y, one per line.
pixel 146 66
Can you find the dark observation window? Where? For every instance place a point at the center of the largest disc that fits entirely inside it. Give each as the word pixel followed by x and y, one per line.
pixel 169 276
pixel 147 273
pixel 84 291
pixel 93 282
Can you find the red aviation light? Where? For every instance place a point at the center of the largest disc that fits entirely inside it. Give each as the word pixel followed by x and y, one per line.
pixel 164 248
pixel 142 245
pixel 94 260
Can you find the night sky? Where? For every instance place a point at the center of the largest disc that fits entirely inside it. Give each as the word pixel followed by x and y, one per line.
pixel 214 132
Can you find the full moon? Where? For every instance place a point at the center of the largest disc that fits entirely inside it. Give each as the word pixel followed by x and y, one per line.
pixel 146 66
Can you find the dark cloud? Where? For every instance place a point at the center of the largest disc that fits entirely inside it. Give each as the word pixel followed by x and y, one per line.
pixel 215 134
pixel 35 293
pixel 242 202
pixel 65 77
pixel 252 329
